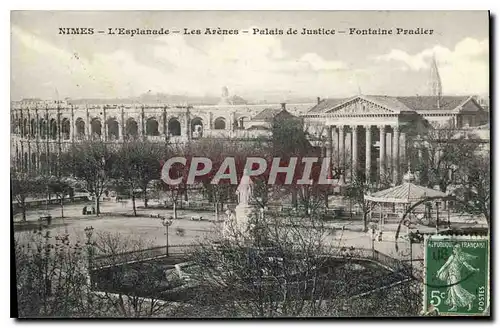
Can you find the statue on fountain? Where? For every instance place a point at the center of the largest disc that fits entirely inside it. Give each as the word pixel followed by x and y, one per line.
pixel 245 190
pixel 239 220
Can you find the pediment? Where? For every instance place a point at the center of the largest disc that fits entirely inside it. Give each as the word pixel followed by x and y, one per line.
pixel 360 106
pixel 470 106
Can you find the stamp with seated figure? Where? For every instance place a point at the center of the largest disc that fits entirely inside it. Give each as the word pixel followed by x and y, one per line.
pixel 456 275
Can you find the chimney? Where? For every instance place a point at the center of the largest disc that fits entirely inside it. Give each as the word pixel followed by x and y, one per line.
pixel 283 106
pixel 318 99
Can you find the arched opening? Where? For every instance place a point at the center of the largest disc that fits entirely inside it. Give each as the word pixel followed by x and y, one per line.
pixel 25 127
pixel 152 127
pixel 80 128
pixel 220 123
pixel 113 129
pixel 16 125
pixel 25 162
pixel 53 129
pixel 96 128
pixel 33 127
pixel 197 127
pixel 65 129
pixel 131 128
pixel 53 164
pixel 174 127
pixel 43 128
pixel 33 162
pixel 43 163
pixel 243 122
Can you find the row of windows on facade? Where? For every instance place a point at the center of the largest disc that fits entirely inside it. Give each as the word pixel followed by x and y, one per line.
pixel 131 127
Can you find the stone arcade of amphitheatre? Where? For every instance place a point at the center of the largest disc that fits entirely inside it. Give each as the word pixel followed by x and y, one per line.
pixel 342 127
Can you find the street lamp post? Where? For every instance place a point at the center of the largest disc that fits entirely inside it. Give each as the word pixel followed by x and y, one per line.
pixel 89 231
pixel 166 223
pixel 373 240
pixel 437 218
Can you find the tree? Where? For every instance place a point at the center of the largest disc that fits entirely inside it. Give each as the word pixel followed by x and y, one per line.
pixel 356 192
pixel 50 276
pixel 218 151
pixel 139 163
pixel 442 150
pixel 275 275
pixel 92 161
pixel 284 269
pixel 23 186
pixel 129 287
pixel 61 187
pixel 473 194
pixel 289 139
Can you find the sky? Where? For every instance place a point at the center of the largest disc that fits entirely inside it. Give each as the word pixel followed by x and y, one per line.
pixel 47 65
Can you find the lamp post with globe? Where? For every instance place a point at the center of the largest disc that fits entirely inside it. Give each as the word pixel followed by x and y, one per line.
pixel 166 223
pixel 89 231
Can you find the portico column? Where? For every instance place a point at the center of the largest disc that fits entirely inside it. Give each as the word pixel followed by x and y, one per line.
pixel 395 148
pixel 382 152
pixel 368 152
pixel 328 146
pixel 342 151
pixel 335 145
pixel 403 148
pixel 354 150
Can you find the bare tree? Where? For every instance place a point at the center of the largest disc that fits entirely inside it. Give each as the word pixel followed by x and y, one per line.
pixel 440 155
pixel 139 163
pixel 356 191
pixel 23 186
pixel 50 276
pixel 176 171
pixel 473 194
pixel 127 286
pixel 282 269
pixel 91 161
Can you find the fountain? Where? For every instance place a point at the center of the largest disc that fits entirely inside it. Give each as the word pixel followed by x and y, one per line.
pixel 237 223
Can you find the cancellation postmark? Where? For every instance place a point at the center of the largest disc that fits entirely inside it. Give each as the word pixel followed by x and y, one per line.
pixel 456 275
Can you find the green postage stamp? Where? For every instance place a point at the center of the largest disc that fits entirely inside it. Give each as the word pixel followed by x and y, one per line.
pixel 456 275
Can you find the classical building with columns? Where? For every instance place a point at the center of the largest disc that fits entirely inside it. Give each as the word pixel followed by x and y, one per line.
pixel 367 135
pixel 363 134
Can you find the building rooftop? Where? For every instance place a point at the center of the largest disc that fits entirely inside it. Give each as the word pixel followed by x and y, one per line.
pixel 270 113
pixel 413 103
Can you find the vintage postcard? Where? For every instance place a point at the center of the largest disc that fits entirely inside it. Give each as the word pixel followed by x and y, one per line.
pixel 250 164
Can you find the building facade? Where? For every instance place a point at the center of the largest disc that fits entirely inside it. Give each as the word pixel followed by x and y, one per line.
pixel 363 134
pixel 41 130
pixel 368 135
